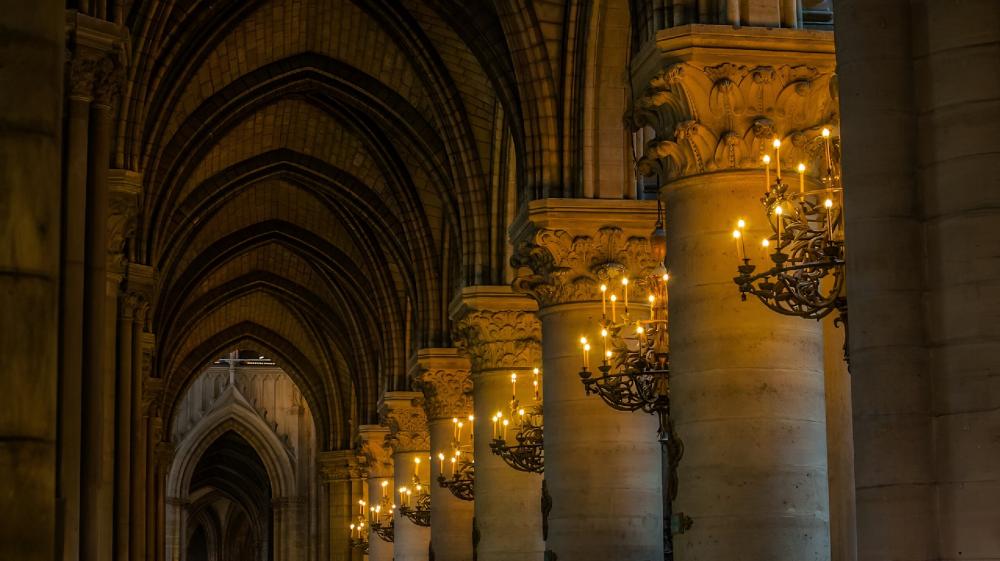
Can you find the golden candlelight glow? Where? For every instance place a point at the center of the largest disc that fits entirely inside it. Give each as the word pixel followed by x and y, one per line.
pixel 826 132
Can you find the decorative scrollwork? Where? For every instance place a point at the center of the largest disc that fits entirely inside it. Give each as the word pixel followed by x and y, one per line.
pixel 420 513
pixel 528 454
pixel 462 482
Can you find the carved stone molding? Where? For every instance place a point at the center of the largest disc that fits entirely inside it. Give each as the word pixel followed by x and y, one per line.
pixel 499 339
pixel 712 117
pixel 374 454
pixel 556 266
pixel 340 465
pixel 443 377
pixel 123 209
pixel 403 413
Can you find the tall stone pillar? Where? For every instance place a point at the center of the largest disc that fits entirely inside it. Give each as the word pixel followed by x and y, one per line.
pixel 602 467
pixel 497 329
pixel 341 472
pixel 403 413
pixel 97 500
pixel 31 71
pixel 376 458
pixel 746 383
pixel 140 283
pixel 443 377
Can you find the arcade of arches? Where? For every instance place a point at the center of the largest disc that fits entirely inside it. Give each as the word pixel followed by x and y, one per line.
pixel 258 254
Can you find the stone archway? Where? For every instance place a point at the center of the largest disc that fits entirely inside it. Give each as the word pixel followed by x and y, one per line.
pixel 278 527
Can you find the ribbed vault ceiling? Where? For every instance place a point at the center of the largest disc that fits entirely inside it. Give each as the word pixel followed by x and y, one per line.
pixel 318 178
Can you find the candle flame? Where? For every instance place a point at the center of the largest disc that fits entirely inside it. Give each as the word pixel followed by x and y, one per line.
pixel 802 168
pixel 826 132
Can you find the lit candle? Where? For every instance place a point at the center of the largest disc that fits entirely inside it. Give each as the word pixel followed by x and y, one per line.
pixel 765 243
pixel 652 303
pixel 513 386
pixel 361 507
pixel 740 225
pixel 802 178
pixel 495 421
pixel 505 423
pixel 352 530
pixel 402 495
pixel 460 425
pixel 736 236
pixel 604 339
pixel 454 428
pixel 829 219
pixel 534 381
pixel 385 488
pixel 604 300
pixel 583 347
pixel 625 292
pixel 453 467
pixel 586 355
pixel 767 172
pixel 614 299
pixel 441 462
pixel 777 157
pixel 408 495
pixel 826 149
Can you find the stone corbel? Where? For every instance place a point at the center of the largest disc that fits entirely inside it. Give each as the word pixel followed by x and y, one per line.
pixel 97 58
pixel 123 208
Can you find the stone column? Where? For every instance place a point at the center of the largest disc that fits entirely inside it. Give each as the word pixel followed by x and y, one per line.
pixel 602 467
pixel 340 470
pixel 97 522
pixel 140 281
pixel 747 382
pixel 443 377
pixel 403 413
pixel 80 78
pixel 499 332
pixel 377 460
pixel 31 72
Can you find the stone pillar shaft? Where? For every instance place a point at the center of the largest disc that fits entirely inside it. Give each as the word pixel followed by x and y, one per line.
pixel 71 323
pixel 443 377
pixel 404 414
pixel 748 384
pixel 498 330
pixel 378 462
pixel 31 57
pixel 602 467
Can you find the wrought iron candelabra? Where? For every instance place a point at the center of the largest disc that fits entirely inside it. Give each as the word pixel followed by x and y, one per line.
pixel 462 480
pixel 527 451
pixel 420 512
pixel 381 517
pixel 809 255
pixel 461 483
pixel 634 371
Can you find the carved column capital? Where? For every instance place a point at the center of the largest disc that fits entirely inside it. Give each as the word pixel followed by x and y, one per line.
pixel 97 53
pixel 442 375
pixel 496 328
pixel 339 465
pixel 715 111
pixel 403 413
pixel 564 250
pixel 373 452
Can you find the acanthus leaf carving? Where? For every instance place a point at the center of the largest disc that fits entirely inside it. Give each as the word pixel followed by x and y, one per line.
pixel 501 339
pixel 447 392
pixel 557 267
pixel 709 118
pixel 407 426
